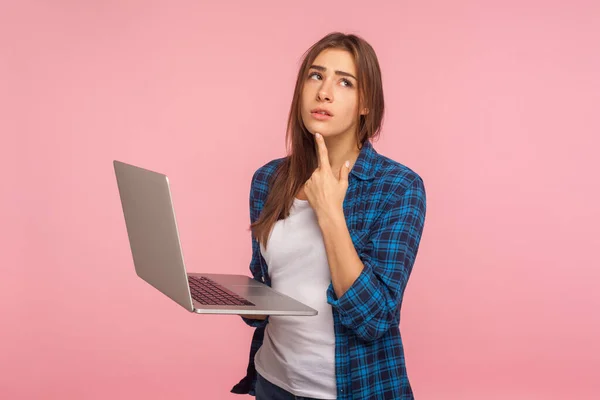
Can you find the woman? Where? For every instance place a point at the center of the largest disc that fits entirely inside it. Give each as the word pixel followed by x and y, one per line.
pixel 336 226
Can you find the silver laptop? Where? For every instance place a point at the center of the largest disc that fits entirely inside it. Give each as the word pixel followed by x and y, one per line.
pixel 158 258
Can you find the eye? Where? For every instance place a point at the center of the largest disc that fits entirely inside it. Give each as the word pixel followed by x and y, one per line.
pixel 345 82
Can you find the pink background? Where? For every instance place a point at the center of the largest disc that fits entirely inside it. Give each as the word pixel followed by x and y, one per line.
pixel 493 103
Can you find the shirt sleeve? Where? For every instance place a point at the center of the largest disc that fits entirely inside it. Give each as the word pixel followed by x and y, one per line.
pixel 255 261
pixel 370 307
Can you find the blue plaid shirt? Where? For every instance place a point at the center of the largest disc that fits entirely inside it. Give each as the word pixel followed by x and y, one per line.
pixel 385 213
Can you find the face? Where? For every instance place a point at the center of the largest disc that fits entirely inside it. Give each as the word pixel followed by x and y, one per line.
pixel 329 101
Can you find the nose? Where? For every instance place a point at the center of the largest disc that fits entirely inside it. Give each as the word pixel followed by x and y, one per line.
pixel 323 96
pixel 325 92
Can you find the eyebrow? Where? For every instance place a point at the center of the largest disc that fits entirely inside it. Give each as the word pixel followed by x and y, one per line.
pixel 342 73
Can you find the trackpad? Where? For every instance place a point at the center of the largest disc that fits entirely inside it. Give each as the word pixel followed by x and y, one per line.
pixel 252 291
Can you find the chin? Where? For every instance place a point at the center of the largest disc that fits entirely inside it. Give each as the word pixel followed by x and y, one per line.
pixel 313 128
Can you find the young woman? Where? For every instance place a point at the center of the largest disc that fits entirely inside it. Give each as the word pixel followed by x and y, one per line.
pixel 336 226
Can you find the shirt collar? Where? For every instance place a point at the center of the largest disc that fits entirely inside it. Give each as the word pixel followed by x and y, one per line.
pixel 364 167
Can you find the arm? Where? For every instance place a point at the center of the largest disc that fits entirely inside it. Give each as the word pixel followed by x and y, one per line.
pixel 259 317
pixel 367 288
pixel 255 320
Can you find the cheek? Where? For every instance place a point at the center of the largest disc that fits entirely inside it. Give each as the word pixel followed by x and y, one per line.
pixel 303 107
pixel 350 106
pixel 304 98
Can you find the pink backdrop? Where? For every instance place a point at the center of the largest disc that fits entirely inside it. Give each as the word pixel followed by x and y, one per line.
pixel 494 103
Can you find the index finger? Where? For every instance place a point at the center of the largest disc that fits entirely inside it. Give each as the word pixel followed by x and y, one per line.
pixel 322 155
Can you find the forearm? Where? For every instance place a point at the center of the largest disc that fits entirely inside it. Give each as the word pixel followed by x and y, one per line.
pixel 345 265
pixel 261 317
pixel 255 321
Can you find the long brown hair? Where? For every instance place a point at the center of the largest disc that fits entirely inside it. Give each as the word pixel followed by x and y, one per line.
pixel 301 161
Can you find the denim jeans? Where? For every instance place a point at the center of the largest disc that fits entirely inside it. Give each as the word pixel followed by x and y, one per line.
pixel 265 390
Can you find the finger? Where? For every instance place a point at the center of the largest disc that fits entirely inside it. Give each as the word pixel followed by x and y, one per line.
pixel 317 150
pixel 323 154
pixel 344 171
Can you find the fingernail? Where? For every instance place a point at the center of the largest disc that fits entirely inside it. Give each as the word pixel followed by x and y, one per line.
pixel 347 164
pixel 318 135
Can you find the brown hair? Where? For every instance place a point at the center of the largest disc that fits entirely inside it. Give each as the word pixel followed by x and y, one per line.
pixel 301 161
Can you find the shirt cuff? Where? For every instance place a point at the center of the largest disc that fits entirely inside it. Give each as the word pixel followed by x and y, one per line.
pixel 361 302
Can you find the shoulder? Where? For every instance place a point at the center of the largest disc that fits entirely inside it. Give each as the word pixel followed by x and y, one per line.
pixel 265 172
pixel 395 181
pixel 261 178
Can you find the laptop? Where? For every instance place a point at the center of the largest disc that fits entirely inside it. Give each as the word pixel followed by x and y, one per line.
pixel 158 257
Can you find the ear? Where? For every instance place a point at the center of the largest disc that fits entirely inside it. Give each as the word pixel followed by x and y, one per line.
pixel 361 105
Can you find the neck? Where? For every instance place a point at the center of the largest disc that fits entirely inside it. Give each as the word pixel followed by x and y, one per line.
pixel 341 148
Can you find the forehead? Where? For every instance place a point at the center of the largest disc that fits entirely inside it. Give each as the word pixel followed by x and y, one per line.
pixel 336 60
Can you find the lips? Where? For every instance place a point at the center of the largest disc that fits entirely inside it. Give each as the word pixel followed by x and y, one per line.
pixel 321 111
pixel 320 116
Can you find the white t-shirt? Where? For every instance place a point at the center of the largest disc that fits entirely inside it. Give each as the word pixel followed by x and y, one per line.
pixel 298 352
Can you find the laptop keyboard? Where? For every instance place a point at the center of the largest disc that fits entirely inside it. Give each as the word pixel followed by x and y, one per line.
pixel 208 292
